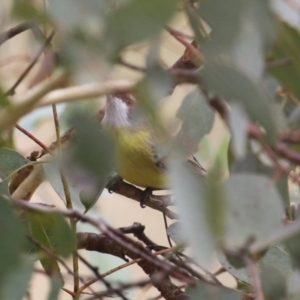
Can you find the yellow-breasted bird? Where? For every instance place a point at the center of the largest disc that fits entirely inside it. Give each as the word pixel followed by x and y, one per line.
pixel 136 158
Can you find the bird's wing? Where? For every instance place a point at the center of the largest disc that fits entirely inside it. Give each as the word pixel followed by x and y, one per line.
pixel 193 164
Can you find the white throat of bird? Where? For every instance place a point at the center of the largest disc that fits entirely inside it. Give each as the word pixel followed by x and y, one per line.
pixel 116 113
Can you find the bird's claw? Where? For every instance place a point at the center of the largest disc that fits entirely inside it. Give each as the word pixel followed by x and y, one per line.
pixel 145 194
pixel 112 182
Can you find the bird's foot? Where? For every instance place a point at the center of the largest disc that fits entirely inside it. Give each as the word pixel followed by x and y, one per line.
pixel 145 194
pixel 112 182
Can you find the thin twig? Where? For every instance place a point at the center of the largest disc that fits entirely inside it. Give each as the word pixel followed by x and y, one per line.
pixel 47 42
pixel 125 265
pixel 41 144
pixel 100 277
pixel 254 275
pixel 69 205
pixel 10 33
pixel 114 235
pixel 166 228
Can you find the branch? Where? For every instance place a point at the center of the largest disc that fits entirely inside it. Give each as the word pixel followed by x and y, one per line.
pixel 114 242
pixel 10 33
pixel 46 44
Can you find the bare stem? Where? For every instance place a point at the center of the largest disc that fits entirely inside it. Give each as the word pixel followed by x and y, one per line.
pixel 69 205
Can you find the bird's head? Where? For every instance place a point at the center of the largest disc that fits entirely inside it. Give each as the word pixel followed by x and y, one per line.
pixel 116 111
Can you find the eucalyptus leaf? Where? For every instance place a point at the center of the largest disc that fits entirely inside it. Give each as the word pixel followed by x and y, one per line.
pixel 190 197
pixel 92 150
pixel 253 208
pixel 10 161
pixel 197 120
pixel 135 21
pixel 52 231
pixel 56 285
pixel 211 292
pixel 276 257
pixel 251 164
pixel 176 233
pixel 293 246
pixel 69 12
pixel 293 286
pixel 286 50
pixel 15 285
pixel 12 238
pixel 232 84
pixel 273 282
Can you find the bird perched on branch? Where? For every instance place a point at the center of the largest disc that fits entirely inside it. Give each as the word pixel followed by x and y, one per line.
pixel 135 148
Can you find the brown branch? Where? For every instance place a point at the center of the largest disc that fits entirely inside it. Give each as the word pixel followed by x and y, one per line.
pixel 159 203
pixel 37 141
pixel 116 236
pixel 99 242
pixel 10 33
pixel 105 282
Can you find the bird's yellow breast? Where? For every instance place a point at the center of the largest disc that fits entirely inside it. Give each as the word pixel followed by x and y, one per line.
pixel 135 158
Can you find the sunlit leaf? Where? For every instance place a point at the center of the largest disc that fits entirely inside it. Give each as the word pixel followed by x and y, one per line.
pixel 52 231
pixel 253 208
pixel 10 161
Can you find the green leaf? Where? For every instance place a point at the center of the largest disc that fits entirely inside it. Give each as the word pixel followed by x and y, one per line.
pixel 136 21
pixel 234 85
pixel 190 197
pixel 56 285
pixel 251 164
pixel 53 175
pixel 69 13
pixel 176 233
pixel 53 232
pixel 286 49
pixel 211 292
pixel 293 286
pixel 15 285
pixel 276 257
pixel 92 150
pixel 224 19
pixel 293 246
pixel 10 161
pixel 12 238
pixel 197 120
pixel 240 31
pixel 273 282
pixel 253 208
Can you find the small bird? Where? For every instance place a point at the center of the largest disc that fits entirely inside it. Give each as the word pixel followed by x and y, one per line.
pixel 136 157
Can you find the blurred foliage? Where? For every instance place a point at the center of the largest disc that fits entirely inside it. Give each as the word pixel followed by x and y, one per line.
pixel 252 62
